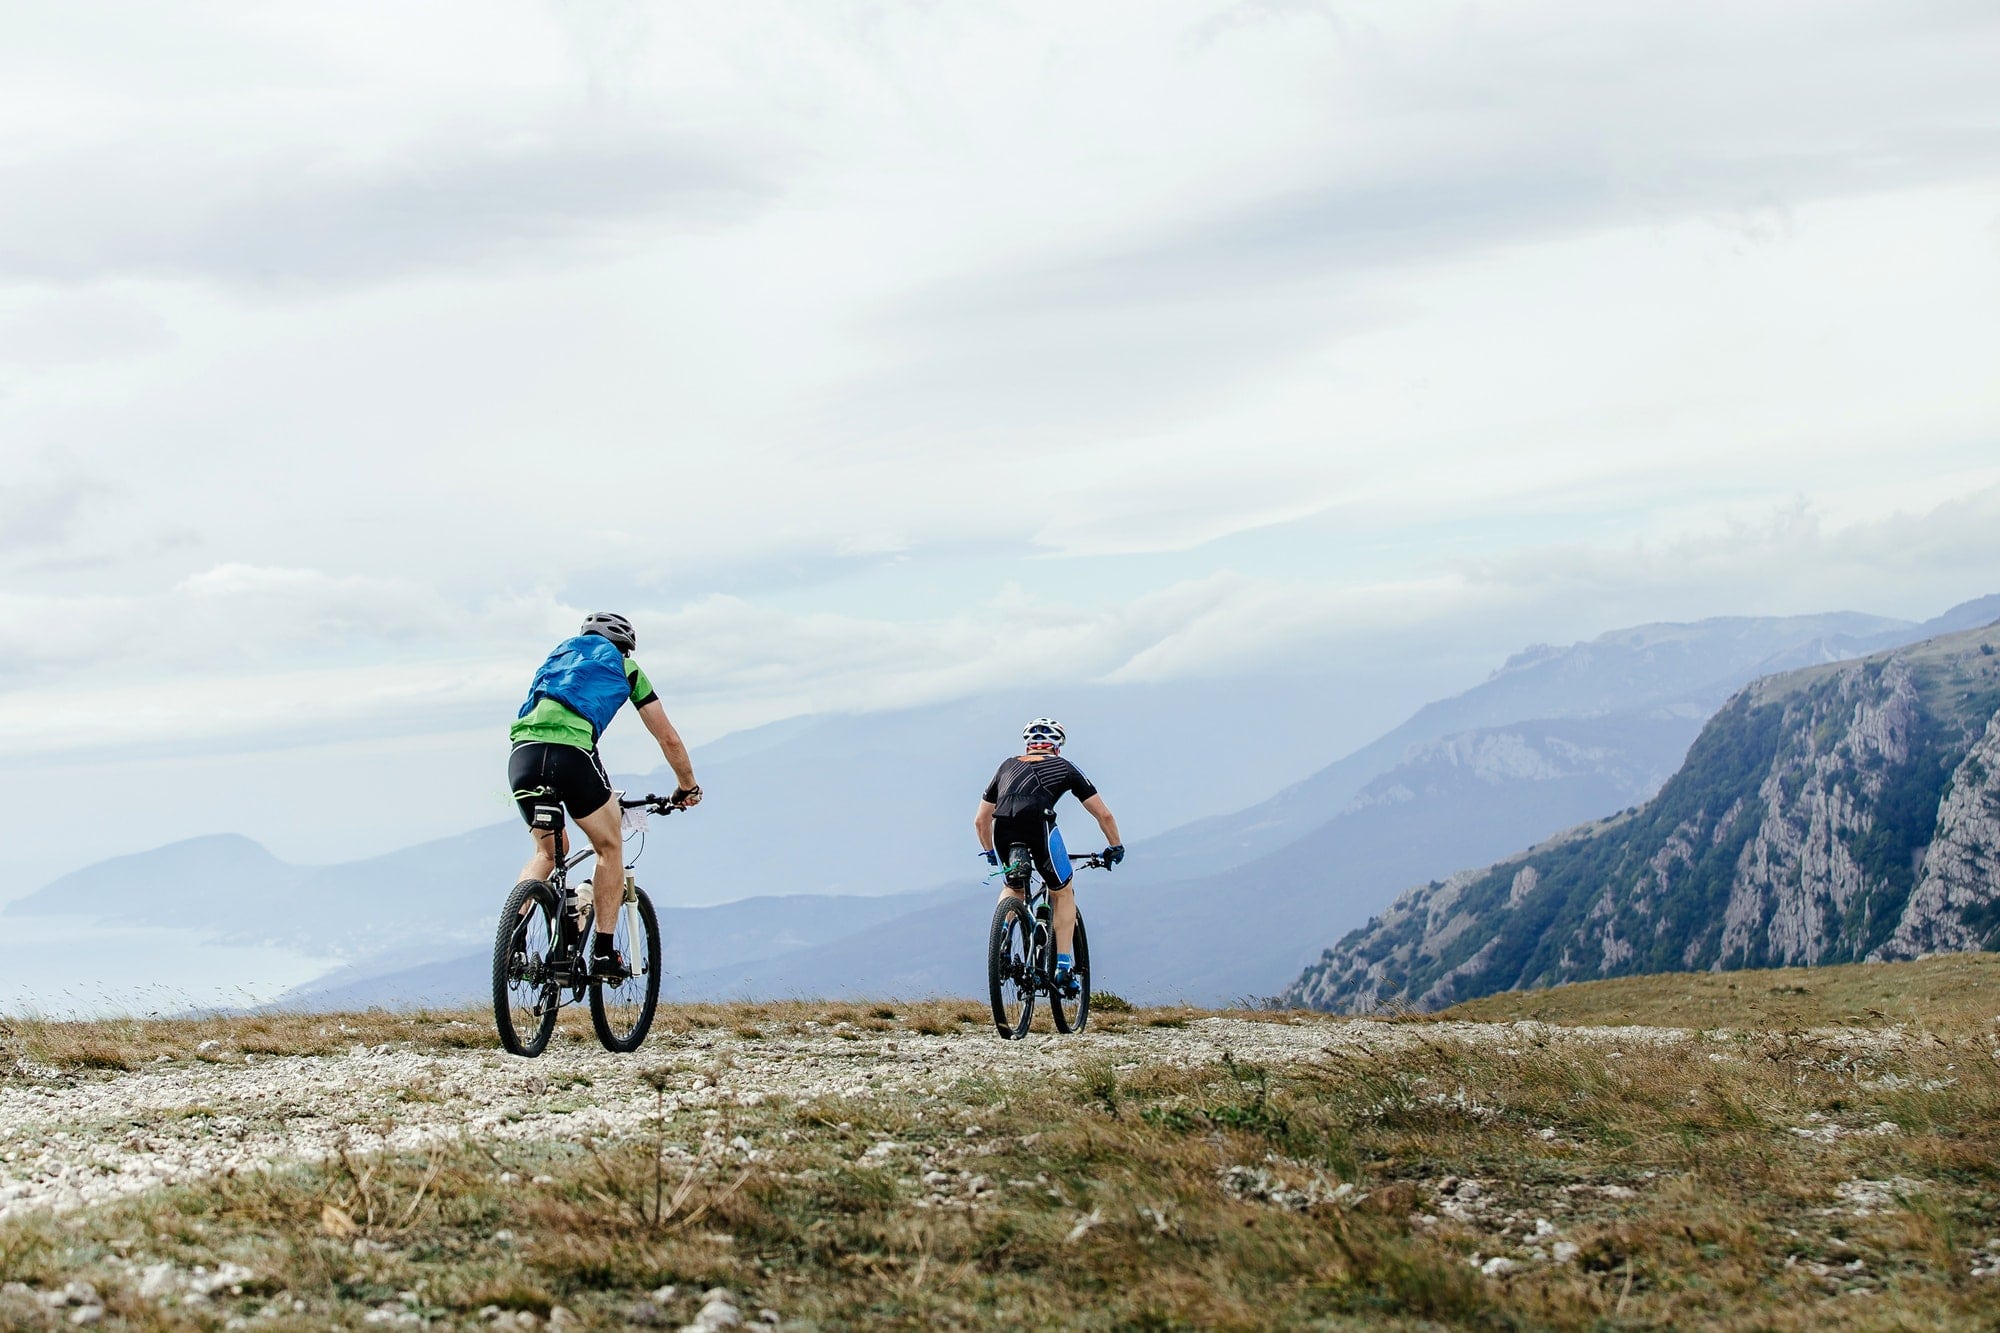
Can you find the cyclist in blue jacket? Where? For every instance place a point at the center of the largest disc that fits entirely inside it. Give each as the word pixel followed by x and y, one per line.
pixel 575 694
pixel 1019 807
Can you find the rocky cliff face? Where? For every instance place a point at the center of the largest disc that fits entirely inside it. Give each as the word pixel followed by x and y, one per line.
pixel 1955 908
pixel 1826 815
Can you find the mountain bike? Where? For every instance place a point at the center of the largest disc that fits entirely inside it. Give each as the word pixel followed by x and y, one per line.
pixel 1021 954
pixel 542 950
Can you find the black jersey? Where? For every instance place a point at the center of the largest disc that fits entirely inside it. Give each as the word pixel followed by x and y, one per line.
pixel 1033 786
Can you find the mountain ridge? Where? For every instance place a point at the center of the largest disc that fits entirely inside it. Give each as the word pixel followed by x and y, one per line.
pixel 1829 814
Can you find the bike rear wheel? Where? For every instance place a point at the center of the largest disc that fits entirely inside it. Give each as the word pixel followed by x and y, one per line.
pixel 1071 1012
pixel 525 998
pixel 622 1013
pixel 1010 963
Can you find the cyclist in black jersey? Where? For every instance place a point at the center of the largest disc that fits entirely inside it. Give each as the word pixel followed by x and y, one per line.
pixel 1019 807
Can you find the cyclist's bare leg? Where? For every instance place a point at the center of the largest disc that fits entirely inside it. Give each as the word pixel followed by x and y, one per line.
pixel 1063 909
pixel 542 863
pixel 607 882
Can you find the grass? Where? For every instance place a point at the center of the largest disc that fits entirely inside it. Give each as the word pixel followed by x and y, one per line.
pixel 1396 1178
pixel 1950 993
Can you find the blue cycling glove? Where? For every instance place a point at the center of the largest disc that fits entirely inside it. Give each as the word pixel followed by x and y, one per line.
pixel 1113 855
pixel 992 856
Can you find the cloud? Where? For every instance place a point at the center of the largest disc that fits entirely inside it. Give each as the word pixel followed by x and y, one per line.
pixel 73 326
pixel 247 658
pixel 41 512
pixel 503 195
pixel 1235 337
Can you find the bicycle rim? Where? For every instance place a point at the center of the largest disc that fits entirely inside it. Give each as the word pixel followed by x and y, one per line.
pixel 1071 1012
pixel 623 1013
pixel 1010 969
pixel 525 999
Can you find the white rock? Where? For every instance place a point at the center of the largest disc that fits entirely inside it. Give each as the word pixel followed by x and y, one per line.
pixel 1498 1266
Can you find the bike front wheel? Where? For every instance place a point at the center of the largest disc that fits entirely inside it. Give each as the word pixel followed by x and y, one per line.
pixel 1072 1010
pixel 525 994
pixel 1010 964
pixel 622 1012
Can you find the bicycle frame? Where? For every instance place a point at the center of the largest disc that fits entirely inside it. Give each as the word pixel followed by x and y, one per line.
pixel 569 929
pixel 1039 890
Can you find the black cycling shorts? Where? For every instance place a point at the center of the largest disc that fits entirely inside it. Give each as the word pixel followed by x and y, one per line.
pixel 538 770
pixel 1032 831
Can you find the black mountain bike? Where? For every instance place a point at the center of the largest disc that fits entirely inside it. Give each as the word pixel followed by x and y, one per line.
pixel 542 951
pixel 1021 952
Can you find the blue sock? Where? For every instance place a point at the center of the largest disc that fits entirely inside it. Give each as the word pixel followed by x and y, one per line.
pixel 1065 963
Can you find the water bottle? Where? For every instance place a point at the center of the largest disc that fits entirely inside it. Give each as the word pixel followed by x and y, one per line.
pixel 579 901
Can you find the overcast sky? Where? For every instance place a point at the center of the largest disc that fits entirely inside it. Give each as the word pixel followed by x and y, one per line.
pixel 349 352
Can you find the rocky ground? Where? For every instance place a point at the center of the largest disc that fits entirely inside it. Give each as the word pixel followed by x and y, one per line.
pixel 1650 1175
pixel 70 1143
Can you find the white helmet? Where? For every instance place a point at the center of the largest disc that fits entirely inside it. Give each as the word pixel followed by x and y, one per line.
pixel 1044 731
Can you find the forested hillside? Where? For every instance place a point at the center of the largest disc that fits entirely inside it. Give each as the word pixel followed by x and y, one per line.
pixel 1827 815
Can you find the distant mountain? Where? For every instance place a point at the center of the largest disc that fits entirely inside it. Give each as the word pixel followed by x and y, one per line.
pixel 1411 806
pixel 837 804
pixel 871 804
pixel 695 941
pixel 1685 669
pixel 1241 933
pixel 1829 814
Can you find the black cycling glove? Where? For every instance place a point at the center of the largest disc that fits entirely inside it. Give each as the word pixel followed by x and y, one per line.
pixel 684 795
pixel 1113 855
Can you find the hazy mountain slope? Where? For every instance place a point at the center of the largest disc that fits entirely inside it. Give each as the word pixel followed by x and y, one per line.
pixel 868 804
pixel 836 804
pixel 196 881
pixel 1242 933
pixel 1688 668
pixel 1825 815
pixel 694 940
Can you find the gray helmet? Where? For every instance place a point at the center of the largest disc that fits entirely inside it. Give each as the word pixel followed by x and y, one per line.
pixel 613 627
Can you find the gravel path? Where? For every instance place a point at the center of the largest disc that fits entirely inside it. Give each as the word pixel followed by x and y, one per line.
pixel 67 1142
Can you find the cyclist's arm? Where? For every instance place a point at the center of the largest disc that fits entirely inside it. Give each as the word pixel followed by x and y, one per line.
pixel 655 717
pixel 1102 814
pixel 982 824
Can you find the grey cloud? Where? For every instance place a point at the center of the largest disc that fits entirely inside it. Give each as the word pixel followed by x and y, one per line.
pixel 1355 226
pixel 263 222
pixel 80 326
pixel 1684 113
pixel 41 514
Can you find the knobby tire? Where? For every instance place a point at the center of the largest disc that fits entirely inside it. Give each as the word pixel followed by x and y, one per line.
pixel 1071 1014
pixel 1009 959
pixel 617 1028
pixel 525 1012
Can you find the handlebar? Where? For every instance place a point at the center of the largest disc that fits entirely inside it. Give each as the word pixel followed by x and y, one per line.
pixel 661 805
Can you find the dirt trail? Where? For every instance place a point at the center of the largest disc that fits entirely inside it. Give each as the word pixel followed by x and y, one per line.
pixel 67 1142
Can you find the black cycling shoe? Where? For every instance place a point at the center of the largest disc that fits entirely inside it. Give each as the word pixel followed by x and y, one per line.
pixel 609 967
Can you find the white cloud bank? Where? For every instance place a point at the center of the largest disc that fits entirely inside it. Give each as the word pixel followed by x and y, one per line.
pixel 348 354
